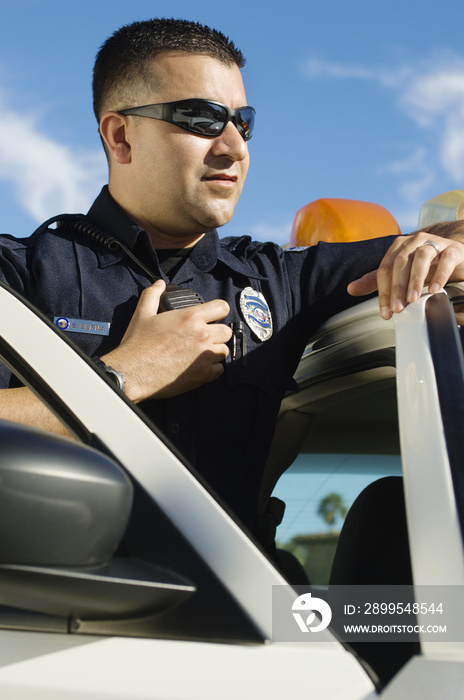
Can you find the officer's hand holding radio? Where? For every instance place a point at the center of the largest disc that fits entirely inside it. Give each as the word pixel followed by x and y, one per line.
pixel 167 354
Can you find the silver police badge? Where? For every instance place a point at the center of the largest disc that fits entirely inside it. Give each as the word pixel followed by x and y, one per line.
pixel 256 313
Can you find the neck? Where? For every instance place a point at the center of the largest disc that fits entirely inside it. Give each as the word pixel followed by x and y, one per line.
pixel 160 238
pixel 163 241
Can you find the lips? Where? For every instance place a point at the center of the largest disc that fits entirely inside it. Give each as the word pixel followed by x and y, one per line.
pixel 220 176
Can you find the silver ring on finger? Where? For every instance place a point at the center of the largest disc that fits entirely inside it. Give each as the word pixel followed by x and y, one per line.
pixel 434 245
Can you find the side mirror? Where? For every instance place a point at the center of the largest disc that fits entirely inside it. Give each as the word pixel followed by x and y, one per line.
pixel 64 509
pixel 61 503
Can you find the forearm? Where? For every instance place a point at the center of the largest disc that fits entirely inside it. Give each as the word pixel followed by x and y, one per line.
pixel 22 406
pixel 453 230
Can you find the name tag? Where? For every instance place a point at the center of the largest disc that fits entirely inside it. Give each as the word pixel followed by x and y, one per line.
pixel 79 325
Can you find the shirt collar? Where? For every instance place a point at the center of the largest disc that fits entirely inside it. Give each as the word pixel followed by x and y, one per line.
pixel 111 218
pixel 208 252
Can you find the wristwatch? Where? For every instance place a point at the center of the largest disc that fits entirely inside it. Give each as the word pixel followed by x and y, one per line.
pixel 117 378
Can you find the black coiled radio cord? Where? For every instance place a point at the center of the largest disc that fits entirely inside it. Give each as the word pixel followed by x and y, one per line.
pixel 106 240
pixel 172 298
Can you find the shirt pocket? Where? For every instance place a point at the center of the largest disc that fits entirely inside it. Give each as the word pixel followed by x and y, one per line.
pixel 260 365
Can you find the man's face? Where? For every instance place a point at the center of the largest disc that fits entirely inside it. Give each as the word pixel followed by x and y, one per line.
pixel 180 184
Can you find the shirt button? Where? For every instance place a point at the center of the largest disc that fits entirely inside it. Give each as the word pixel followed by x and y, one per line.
pixel 175 428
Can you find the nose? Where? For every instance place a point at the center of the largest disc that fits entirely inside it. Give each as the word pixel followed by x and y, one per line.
pixel 230 143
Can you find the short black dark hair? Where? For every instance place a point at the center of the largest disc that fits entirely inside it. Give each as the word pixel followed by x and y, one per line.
pixel 122 63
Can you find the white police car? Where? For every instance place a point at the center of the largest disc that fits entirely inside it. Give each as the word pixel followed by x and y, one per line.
pixel 77 621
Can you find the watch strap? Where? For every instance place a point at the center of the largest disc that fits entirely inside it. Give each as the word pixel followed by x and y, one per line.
pixel 116 377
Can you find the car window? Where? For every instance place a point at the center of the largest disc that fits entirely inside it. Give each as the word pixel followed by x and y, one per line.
pixel 157 536
pixel 352 440
pixel 318 490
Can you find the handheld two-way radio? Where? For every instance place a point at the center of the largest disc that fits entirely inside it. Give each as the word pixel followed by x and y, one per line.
pixel 178 298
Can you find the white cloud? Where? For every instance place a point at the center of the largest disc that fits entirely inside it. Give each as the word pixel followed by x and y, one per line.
pixel 435 101
pixel 416 173
pixel 315 68
pixel 268 232
pixel 47 176
pixel 431 93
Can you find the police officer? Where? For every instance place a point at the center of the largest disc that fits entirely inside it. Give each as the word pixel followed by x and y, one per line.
pixel 175 124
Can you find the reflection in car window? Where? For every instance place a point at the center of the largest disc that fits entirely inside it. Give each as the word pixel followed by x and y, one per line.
pixel 315 488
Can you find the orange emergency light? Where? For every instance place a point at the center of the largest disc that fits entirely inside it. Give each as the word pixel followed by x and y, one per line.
pixel 341 220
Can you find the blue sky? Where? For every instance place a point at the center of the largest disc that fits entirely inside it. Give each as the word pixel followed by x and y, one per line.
pixel 355 99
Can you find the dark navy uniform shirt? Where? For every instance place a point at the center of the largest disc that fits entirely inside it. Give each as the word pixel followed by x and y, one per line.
pixel 225 427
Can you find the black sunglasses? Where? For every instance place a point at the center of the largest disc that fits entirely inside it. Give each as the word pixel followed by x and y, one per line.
pixel 199 116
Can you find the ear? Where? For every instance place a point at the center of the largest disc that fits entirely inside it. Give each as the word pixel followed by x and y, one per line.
pixel 114 132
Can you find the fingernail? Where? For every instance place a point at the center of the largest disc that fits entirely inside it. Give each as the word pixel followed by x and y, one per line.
pixel 413 295
pixel 434 288
pixel 397 306
pixel 385 312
